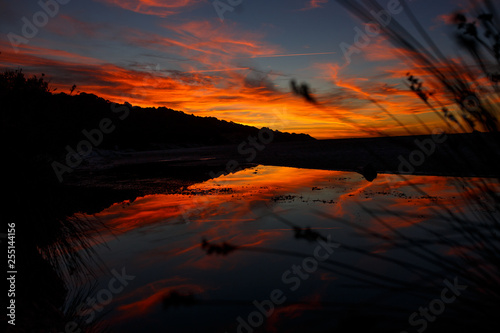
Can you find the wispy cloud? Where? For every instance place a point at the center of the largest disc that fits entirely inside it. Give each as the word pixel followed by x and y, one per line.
pixel 291 55
pixel 314 4
pixel 154 7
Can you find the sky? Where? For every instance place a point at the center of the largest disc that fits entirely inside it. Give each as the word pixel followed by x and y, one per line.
pixel 230 59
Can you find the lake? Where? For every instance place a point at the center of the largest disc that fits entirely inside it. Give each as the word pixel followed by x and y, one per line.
pixel 278 249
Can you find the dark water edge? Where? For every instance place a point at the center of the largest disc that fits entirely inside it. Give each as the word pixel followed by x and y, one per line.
pixel 105 180
pixel 461 155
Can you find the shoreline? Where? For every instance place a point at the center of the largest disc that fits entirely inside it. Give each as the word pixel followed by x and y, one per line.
pixel 117 176
pixel 460 155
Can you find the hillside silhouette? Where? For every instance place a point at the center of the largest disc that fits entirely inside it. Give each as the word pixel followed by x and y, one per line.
pixel 40 119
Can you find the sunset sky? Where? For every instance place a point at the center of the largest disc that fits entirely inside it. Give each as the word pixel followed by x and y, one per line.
pixel 181 55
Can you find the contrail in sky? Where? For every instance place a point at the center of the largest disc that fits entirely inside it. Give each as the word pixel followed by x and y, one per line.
pixel 217 70
pixel 290 55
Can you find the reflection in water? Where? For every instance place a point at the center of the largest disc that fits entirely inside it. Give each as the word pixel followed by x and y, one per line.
pixel 264 223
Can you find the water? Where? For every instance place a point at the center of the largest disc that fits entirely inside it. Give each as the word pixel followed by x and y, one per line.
pixel 332 283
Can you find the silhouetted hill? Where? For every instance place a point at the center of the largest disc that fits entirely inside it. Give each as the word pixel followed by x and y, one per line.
pixel 149 128
pixel 38 119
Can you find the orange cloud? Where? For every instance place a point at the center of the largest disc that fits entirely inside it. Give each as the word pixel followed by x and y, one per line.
pixel 153 7
pixel 313 4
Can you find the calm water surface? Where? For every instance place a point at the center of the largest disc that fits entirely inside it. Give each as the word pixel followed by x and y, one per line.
pixel 156 240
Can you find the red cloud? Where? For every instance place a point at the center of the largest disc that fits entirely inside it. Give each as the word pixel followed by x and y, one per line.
pixel 153 7
pixel 313 4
